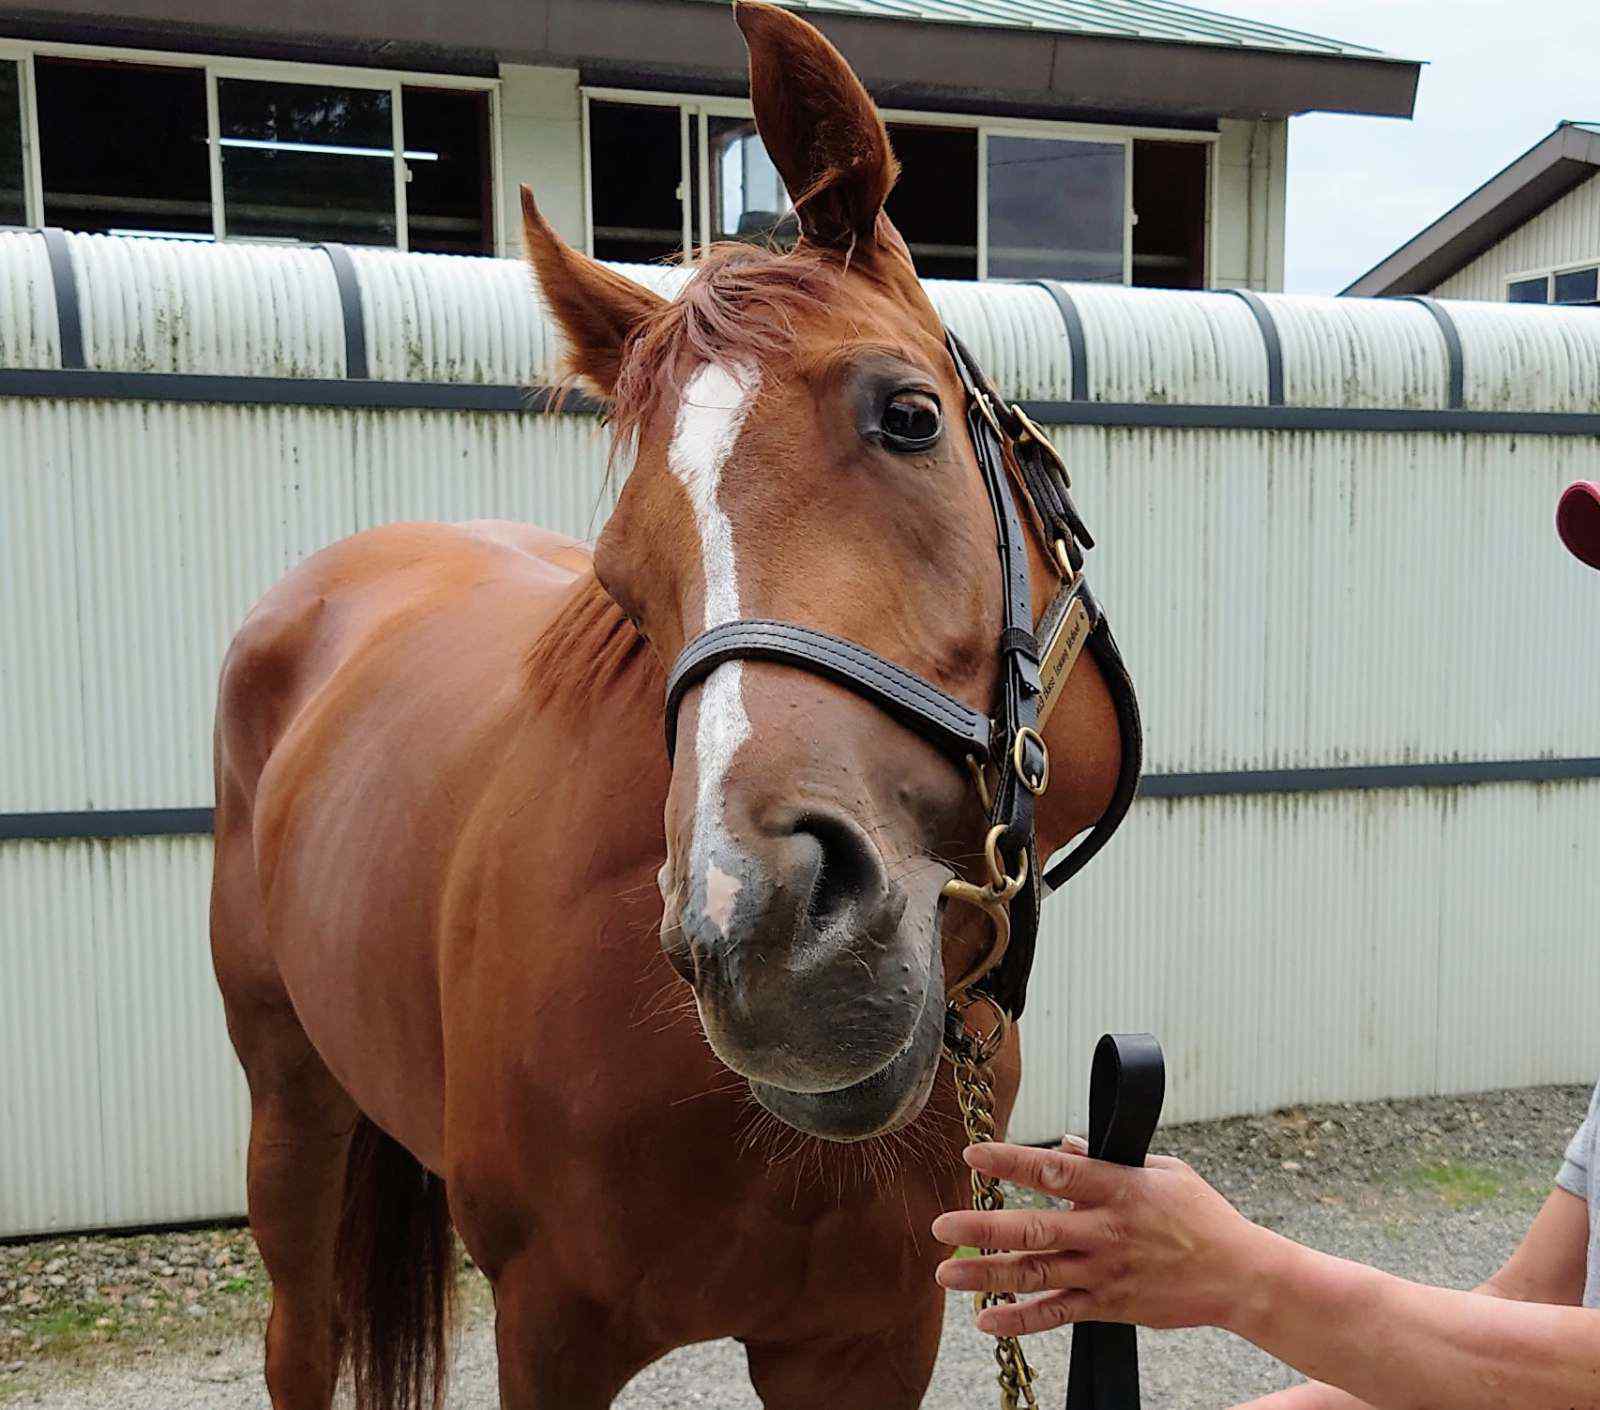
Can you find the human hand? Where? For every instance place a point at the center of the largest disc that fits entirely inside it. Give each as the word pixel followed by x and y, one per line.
pixel 1156 1246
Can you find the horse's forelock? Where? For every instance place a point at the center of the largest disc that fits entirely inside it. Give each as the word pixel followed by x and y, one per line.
pixel 742 306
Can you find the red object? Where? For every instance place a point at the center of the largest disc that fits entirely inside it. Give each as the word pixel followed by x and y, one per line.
pixel 1578 521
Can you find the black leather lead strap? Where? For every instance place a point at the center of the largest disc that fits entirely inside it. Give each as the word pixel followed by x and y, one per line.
pixel 954 727
pixel 1127 1085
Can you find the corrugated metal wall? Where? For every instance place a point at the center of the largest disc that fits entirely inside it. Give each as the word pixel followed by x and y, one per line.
pixel 1567 233
pixel 1286 599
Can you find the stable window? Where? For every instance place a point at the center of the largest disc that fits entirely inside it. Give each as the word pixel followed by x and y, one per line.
pixel 122 147
pixel 1058 209
pixel 638 202
pixel 1580 287
pixel 1170 182
pixel 668 175
pixel 1529 291
pixel 935 203
pixel 13 169
pixel 127 142
pixel 449 196
pixel 303 161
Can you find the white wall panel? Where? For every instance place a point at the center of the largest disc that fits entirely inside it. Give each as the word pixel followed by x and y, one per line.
pixel 1360 352
pixel 1338 946
pixel 1014 331
pixel 1151 345
pixel 1319 599
pixel 51 1167
pixel 176 306
pixel 1520 358
pixel 29 335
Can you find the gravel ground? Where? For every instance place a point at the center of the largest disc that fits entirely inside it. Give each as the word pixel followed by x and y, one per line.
pixel 1437 1190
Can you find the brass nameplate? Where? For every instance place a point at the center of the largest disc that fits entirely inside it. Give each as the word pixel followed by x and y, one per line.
pixel 1065 643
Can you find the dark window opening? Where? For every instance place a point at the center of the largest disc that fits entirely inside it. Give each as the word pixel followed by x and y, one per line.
pixel 448 201
pixel 935 204
pixel 123 147
pixel 1578 286
pixel 13 203
pixel 303 161
pixel 636 174
pixel 1169 200
pixel 1057 209
pixel 1530 291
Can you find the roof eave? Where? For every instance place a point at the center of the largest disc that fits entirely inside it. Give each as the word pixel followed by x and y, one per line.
pixel 1545 173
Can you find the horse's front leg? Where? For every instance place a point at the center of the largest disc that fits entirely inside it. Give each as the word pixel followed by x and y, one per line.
pixel 889 1370
pixel 557 1350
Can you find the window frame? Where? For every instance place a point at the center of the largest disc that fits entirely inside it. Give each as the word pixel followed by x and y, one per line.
pixel 694 108
pixel 1549 274
pixel 216 67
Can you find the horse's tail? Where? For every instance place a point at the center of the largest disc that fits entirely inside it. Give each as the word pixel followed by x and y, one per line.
pixel 396 1276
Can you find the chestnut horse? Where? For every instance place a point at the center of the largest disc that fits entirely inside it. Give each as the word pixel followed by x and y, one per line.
pixel 447 831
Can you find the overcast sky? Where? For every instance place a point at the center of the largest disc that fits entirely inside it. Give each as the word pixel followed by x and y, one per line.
pixel 1500 74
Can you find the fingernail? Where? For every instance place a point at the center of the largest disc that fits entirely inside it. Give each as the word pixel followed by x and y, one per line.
pixel 939 1226
pixel 953 1273
pixel 1055 1174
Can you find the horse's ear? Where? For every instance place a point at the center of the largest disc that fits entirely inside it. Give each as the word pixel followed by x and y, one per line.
pixel 596 307
pixel 821 129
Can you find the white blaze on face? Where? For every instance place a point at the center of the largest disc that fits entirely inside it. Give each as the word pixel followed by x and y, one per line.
pixel 711 415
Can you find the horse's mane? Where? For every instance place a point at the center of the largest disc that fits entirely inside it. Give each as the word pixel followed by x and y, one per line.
pixel 588 648
pixel 740 307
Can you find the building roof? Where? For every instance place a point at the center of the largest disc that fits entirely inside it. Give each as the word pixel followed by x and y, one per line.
pixel 1090 60
pixel 1126 19
pixel 1533 183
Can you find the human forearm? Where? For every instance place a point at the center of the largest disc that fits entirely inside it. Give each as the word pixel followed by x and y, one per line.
pixel 1402 1346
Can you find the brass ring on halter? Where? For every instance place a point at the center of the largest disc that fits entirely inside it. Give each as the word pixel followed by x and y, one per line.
pixel 1034 786
pixel 1002 884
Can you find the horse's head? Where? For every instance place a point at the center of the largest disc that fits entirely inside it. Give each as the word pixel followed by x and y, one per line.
pixel 800 453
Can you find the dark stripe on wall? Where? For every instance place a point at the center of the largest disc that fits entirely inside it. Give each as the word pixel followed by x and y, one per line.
pixel 288 391
pixel 1454 352
pixel 69 317
pixel 1077 342
pixel 369 393
pixel 1270 339
pixel 132 822
pixel 1366 778
pixel 188 822
pixel 355 320
pixel 1313 418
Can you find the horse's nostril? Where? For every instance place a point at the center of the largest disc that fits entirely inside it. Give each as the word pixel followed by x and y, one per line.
pixel 848 872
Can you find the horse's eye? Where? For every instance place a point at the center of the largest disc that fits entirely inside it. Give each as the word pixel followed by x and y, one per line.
pixel 911 421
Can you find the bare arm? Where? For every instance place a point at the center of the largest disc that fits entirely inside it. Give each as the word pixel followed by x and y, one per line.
pixel 1159 1247
pixel 1549 1266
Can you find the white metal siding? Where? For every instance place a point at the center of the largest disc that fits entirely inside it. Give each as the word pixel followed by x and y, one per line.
pixel 1331 946
pixel 1566 233
pixel 1285 599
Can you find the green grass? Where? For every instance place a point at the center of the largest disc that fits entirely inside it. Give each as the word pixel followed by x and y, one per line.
pixel 1461 1186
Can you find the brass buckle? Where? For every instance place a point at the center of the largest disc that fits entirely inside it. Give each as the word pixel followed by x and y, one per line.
pixel 1034 786
pixel 1031 431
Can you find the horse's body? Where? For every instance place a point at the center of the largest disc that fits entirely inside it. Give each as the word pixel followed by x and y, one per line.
pixel 661 1041
pixel 435 907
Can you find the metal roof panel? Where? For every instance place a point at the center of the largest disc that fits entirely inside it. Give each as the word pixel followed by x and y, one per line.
pixel 1156 20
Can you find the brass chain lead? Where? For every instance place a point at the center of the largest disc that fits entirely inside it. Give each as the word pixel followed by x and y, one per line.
pixel 969 1058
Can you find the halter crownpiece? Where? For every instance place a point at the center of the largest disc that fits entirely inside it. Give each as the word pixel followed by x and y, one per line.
pixel 1035 663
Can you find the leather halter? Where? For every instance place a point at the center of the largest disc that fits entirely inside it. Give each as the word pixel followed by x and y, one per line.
pixel 1009 741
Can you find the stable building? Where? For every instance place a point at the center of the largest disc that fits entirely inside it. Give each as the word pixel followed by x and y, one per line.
pixel 1119 142
pixel 1528 235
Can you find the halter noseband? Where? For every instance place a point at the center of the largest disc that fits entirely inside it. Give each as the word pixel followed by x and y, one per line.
pixel 1032 676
